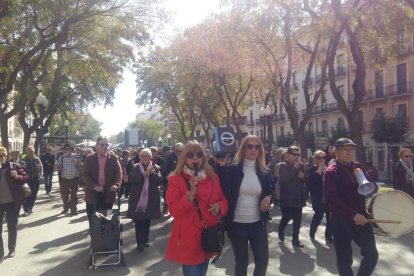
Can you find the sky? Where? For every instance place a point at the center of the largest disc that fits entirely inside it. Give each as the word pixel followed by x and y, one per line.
pixel 115 118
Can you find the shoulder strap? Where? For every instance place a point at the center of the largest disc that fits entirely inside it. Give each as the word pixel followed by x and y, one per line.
pixel 197 206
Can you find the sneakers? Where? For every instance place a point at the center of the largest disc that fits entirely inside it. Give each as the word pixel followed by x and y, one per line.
pixel 64 211
pixel 297 244
pixel 12 254
pixel 74 213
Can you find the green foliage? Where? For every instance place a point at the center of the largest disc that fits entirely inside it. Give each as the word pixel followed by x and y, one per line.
pixel 149 130
pixel 389 130
pixel 339 131
pixel 118 138
pixel 285 140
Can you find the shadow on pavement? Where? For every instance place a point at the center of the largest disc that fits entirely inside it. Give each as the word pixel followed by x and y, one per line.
pixel 305 264
pixel 39 222
pixel 63 241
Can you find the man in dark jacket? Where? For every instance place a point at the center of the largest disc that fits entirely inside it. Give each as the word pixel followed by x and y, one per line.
pixel 292 194
pixel 169 165
pixel 12 177
pixel 48 162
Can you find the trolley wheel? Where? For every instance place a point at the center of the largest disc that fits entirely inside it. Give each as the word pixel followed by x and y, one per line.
pixel 122 261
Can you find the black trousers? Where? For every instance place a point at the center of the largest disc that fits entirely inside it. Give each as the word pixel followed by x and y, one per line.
pixel 344 233
pixel 30 201
pixel 99 205
pixel 12 214
pixel 321 210
pixel 142 228
pixel 287 215
pixel 240 235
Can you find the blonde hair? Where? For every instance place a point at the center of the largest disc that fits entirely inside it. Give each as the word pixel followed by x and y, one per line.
pixel 193 146
pixel 403 151
pixel 319 152
pixel 242 150
pixel 3 150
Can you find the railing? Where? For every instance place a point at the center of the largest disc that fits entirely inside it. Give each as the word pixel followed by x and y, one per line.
pixel 340 72
pixel 394 90
pixel 242 120
pixel 279 117
pixel 321 133
pixel 250 123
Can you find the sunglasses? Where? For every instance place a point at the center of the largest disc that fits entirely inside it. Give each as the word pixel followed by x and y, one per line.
pixel 295 154
pixel 320 157
pixel 409 155
pixel 104 145
pixel 251 146
pixel 191 154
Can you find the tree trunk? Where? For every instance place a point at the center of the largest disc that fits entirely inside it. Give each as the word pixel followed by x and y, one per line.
pixel 4 131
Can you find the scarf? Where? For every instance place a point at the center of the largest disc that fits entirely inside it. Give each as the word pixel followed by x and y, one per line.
pixel 143 199
pixel 190 172
pixel 409 173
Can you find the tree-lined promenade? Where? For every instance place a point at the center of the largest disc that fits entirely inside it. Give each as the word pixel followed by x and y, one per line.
pixel 53 244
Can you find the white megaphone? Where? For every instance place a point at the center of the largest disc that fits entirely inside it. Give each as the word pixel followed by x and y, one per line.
pixel 364 186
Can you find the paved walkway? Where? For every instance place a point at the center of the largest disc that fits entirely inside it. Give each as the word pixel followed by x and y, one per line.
pixel 51 244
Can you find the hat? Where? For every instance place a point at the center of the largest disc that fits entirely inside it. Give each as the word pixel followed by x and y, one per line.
pixel 344 142
pixel 67 146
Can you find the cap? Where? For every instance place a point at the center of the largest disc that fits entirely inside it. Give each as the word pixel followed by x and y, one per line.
pixel 344 142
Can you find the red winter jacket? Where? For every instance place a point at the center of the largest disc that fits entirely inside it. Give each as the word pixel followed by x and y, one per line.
pixel 184 246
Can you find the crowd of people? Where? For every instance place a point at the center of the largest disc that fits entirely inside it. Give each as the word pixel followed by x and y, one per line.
pixel 199 190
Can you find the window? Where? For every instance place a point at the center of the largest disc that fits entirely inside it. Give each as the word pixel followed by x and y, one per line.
pixel 401 111
pixel 310 127
pixel 251 117
pixel 380 158
pixel 282 131
pixel 311 97
pixel 379 113
pixel 323 99
pixel 341 123
pixel 341 91
pixel 360 119
pixel 325 127
pixel 379 83
pixel 295 103
pixel 402 78
pixel 294 79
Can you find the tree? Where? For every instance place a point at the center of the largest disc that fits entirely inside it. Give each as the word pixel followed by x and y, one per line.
pixel 339 131
pixel 285 140
pixel 389 130
pixel 149 130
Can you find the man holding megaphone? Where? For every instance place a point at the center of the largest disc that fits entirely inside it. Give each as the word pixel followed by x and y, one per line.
pixel 345 188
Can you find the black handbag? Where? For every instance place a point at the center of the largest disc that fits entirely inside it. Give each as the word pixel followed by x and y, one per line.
pixel 212 238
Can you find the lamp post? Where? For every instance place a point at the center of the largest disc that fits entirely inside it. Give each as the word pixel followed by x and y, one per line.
pixel 159 142
pixel 264 113
pixel 66 124
pixel 169 139
pixel 145 143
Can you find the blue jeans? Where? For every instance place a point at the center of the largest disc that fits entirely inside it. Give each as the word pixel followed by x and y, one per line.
pixel 346 232
pixel 196 270
pixel 240 235
pixel 321 210
pixel 48 180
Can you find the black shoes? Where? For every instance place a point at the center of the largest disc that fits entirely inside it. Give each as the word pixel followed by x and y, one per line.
pixel 64 211
pixel 12 254
pixel 74 213
pixel 281 236
pixel 297 244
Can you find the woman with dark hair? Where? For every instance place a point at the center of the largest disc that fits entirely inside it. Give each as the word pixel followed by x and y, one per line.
pixel 144 200
pixel 193 180
pixel 330 154
pixel 247 186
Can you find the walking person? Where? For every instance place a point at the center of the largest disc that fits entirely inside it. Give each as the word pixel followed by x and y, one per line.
pixel 48 162
pixel 348 211
pixel 185 187
pixel 33 166
pixel 124 190
pixel 403 172
pixel 69 167
pixel 169 165
pixel 315 185
pixel 247 187
pixel 144 200
pixel 292 194
pixel 12 177
pixel 102 176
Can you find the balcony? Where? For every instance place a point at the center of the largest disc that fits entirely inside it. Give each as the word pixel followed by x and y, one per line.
pixel 250 123
pixel 311 82
pixel 242 120
pixel 391 91
pixel 323 133
pixel 280 118
pixel 340 72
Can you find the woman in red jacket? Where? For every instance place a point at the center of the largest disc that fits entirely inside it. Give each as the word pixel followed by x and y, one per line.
pixel 184 246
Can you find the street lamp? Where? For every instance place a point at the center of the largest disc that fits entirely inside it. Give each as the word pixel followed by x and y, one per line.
pixel 145 143
pixel 66 124
pixel 264 113
pixel 169 139
pixel 159 142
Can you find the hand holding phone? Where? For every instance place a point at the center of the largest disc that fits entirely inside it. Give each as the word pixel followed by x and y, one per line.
pixel 195 168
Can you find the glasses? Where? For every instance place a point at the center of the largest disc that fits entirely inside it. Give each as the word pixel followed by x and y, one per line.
pixel 104 145
pixel 320 157
pixel 296 154
pixel 191 154
pixel 251 146
pixel 409 155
